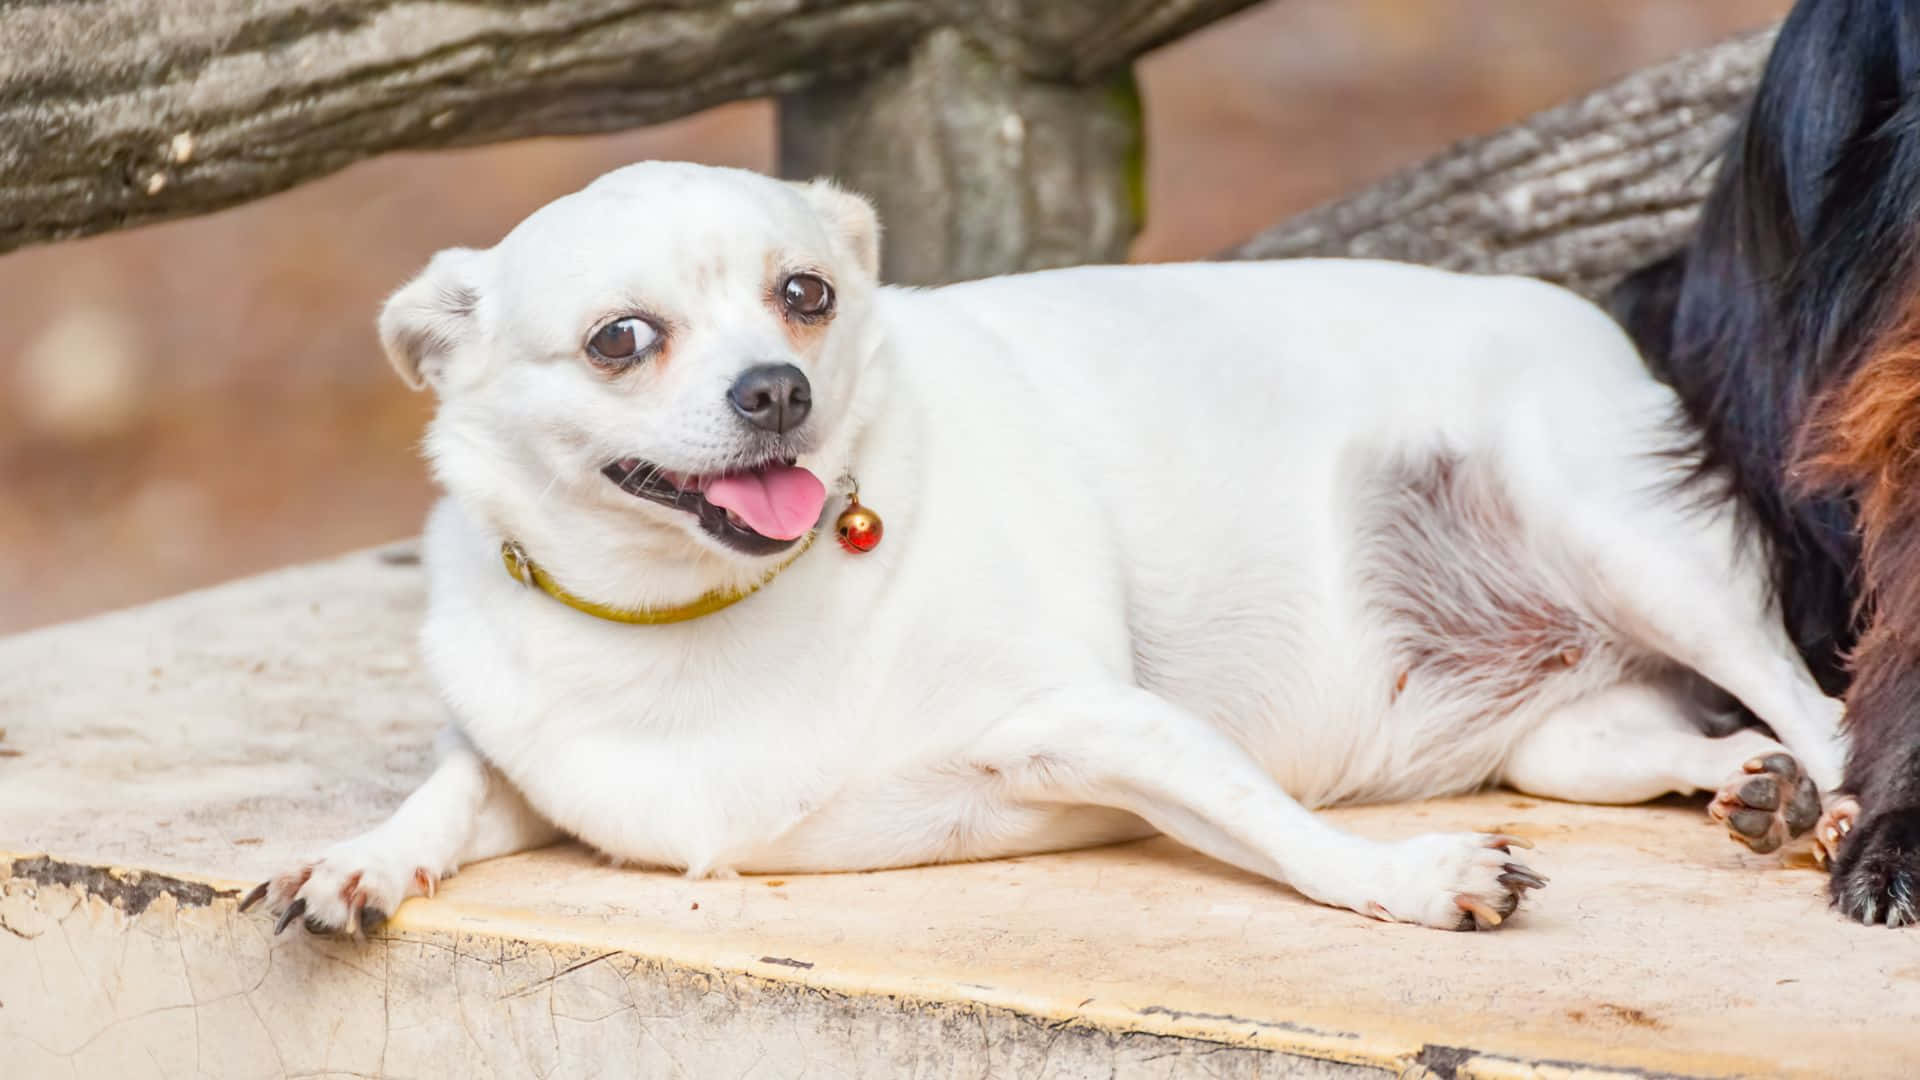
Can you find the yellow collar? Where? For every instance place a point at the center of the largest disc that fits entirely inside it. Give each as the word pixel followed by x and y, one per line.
pixel 526 572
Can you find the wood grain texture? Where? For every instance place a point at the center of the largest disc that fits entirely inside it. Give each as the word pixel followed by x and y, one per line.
pixel 1579 194
pixel 119 112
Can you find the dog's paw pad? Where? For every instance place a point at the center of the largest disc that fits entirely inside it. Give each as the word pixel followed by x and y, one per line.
pixel 1768 803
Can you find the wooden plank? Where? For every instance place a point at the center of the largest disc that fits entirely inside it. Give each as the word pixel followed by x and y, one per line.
pixel 209 740
pixel 120 112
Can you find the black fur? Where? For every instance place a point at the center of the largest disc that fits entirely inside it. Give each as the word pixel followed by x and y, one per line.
pixel 1803 255
pixel 1876 878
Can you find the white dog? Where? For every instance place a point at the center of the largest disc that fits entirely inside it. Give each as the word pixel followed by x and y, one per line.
pixel 1184 548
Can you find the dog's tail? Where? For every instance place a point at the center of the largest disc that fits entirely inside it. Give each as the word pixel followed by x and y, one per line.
pixel 1801 266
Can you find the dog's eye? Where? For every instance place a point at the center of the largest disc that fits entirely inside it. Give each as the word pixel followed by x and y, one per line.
pixel 622 341
pixel 807 295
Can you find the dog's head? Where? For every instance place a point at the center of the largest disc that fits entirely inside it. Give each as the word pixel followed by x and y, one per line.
pixel 666 362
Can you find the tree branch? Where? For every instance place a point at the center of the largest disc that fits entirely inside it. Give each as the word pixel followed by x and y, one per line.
pixel 120 112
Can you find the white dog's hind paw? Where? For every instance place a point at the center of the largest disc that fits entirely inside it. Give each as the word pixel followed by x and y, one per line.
pixel 1769 803
pixel 1453 881
pixel 353 887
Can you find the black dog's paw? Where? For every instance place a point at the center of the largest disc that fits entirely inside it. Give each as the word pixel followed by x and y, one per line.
pixel 1876 878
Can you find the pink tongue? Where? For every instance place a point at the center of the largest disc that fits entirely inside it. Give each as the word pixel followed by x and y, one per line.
pixel 780 501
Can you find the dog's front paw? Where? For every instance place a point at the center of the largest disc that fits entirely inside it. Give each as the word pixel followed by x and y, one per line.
pixel 1453 881
pixel 353 887
pixel 1771 800
pixel 1876 876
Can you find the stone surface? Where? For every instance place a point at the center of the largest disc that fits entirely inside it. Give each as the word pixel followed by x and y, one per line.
pixel 976 167
pixel 158 761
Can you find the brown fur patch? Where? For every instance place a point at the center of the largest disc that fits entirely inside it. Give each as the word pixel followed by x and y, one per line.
pixel 1865 439
pixel 1447 561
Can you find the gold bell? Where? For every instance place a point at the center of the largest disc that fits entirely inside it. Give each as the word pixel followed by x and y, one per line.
pixel 857 527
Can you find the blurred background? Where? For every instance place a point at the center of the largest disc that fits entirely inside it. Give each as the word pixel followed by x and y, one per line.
pixel 192 402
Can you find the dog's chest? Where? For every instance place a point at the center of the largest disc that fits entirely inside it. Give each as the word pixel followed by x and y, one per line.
pixel 677 757
pixel 702 749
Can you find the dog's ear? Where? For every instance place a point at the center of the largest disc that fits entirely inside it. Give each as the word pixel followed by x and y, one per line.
pixel 850 218
pixel 430 316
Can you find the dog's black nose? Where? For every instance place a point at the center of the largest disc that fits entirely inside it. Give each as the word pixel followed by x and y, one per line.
pixel 772 397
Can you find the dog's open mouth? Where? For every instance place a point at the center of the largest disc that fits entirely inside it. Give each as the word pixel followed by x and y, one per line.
pixel 757 511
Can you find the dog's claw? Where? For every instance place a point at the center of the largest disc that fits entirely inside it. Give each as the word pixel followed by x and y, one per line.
pixel 258 894
pixel 1520 878
pixel 1833 827
pixel 354 903
pixel 1483 916
pixel 294 911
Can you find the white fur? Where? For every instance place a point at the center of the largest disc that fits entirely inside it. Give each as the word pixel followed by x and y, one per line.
pixel 1142 564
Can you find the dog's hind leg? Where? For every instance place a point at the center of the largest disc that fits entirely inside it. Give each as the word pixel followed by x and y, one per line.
pixel 1666 570
pixel 1677 583
pixel 1122 747
pixel 1640 740
pixel 465 811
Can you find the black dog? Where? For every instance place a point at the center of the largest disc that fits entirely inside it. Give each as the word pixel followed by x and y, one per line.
pixel 1790 326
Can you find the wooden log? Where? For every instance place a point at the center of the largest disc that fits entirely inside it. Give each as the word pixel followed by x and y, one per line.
pixel 119 112
pixel 1579 194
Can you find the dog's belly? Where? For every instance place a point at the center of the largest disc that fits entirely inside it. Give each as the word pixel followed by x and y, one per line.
pixel 947 815
pixel 1373 718
pixel 1399 657
pixel 716 808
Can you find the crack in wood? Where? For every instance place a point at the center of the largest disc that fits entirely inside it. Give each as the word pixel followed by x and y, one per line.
pixel 130 890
